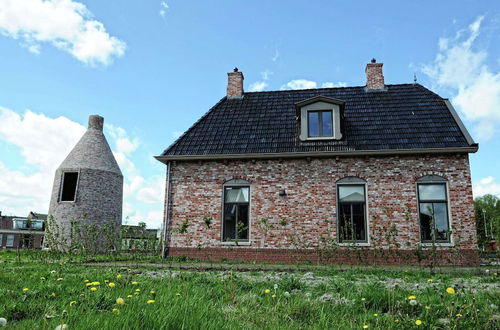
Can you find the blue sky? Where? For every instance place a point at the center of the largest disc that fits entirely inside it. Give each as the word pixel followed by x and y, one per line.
pixel 152 68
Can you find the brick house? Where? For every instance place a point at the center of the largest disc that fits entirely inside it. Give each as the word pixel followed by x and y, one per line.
pixel 23 233
pixel 369 174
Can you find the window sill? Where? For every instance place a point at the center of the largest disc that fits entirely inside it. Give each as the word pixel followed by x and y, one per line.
pixel 355 244
pixel 443 244
pixel 319 138
pixel 235 243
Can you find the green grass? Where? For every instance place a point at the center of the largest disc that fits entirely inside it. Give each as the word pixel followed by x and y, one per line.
pixel 230 300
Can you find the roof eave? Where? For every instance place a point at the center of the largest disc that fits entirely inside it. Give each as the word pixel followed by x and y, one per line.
pixel 471 149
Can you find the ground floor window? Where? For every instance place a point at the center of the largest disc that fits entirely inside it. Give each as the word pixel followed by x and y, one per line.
pixel 10 241
pixel 352 226
pixel 433 209
pixel 235 213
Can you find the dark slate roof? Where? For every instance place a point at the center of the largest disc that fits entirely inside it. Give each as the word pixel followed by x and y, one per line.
pixel 405 116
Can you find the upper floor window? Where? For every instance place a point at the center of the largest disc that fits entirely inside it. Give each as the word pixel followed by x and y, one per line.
pixel 352 225
pixel 320 118
pixel 320 123
pixel 433 209
pixel 235 213
pixel 69 184
pixel 28 224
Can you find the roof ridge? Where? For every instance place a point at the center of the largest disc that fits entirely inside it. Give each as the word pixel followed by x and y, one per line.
pixel 326 88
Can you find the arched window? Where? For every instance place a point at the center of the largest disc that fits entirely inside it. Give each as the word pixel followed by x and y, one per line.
pixel 351 210
pixel 236 211
pixel 433 209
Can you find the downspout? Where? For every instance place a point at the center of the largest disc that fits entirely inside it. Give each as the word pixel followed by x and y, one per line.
pixel 165 240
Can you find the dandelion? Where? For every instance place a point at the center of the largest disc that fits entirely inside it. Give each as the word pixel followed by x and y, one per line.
pixel 86 281
pixel 62 327
pixel 267 291
pixel 427 307
pixel 429 280
pixel 106 281
pixel 116 311
pixel 152 292
pixel 3 322
pixel 119 276
pixel 137 290
pixel 53 294
pixel 150 301
pixel 42 278
pixel 459 315
pixel 111 284
pixel 93 288
pixel 52 271
pixel 375 314
pixel 412 297
pixel 418 322
pixel 120 301
pixel 96 283
pixel 366 326
pixel 178 294
pixel 413 302
pixel 397 321
pixel 137 293
pixel 88 284
pixel 26 290
pixel 60 279
pixel 129 296
pixel 286 293
pixel 276 287
pixel 273 296
pixel 450 291
pixel 135 283
pixel 71 303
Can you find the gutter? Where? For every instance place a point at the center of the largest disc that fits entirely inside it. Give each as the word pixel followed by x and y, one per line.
pixel 165 240
pixel 392 152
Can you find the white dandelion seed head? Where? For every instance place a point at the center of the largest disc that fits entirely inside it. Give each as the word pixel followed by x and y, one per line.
pixel 413 302
pixel 286 293
pixel 276 287
pixel 3 322
pixel 62 327
pixel 52 271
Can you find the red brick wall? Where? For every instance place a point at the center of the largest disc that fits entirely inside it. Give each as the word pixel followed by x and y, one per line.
pixel 309 208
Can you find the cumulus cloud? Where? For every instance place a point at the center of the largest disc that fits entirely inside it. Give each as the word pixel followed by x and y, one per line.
pixel 258 86
pixel 485 186
pixel 462 68
pixel 309 84
pixel 66 24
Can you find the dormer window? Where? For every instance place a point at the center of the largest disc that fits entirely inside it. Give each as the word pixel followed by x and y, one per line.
pixel 320 123
pixel 320 118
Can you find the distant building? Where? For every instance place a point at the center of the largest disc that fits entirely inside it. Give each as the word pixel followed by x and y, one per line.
pixel 23 233
pixel 138 238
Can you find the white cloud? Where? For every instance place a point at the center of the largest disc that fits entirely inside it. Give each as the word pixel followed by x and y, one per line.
pixel 258 86
pixel 485 186
pixel 309 84
pixel 163 8
pixel 332 84
pixel 66 24
pixel 153 192
pixel 461 67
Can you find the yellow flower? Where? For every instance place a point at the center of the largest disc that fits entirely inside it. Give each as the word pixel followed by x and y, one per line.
pixel 412 297
pixel 150 301
pixel 397 321
pixel 418 322
pixel 88 284
pixel 137 293
pixel 178 294
pixel 96 283
pixel 450 291
pixel 71 303
pixel 116 311
pixel 458 315
pixel 366 326
pixel 85 281
pixel 42 278
pixel 106 281
pixel 119 276
pixel 273 296
pixel 93 288
pixel 129 296
pixel 120 301
pixel 60 279
pixel 135 283
pixel 429 280
pixel 26 290
pixel 111 284
pixel 427 307
pixel 152 292
pixel 375 314
pixel 137 290
pixel 53 294
pixel 267 291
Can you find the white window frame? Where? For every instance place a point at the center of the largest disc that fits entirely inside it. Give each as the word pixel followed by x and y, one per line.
pixel 319 106
pixel 236 183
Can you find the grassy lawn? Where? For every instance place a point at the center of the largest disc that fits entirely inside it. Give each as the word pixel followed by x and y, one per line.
pixel 43 295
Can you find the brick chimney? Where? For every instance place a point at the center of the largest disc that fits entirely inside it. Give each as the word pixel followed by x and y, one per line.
pixel 235 84
pixel 374 76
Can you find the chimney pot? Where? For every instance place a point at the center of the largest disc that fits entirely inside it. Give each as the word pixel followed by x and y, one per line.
pixel 374 76
pixel 235 84
pixel 96 122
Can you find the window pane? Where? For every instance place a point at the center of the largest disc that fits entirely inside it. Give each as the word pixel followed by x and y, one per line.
pixel 10 241
pixel 229 230
pixel 68 192
pixel 1 239
pixel 426 221
pixel 313 123
pixel 358 219
pixel 345 223
pixel 327 123
pixel 432 192
pixel 351 193
pixel 441 221
pixel 237 194
pixel 242 226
